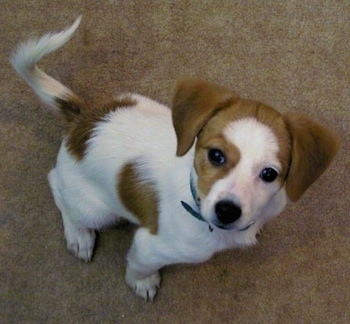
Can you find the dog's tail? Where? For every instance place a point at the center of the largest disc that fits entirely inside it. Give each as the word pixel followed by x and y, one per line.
pixel 52 92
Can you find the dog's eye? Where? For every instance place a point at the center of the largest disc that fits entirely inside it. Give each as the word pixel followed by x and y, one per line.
pixel 216 157
pixel 268 174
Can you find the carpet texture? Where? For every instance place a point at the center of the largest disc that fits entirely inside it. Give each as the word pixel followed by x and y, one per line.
pixel 292 55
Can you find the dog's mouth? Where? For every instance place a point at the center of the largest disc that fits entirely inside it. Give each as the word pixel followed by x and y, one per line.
pixel 233 227
pixel 247 227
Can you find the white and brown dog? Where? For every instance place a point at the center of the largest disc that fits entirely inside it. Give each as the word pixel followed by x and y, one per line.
pixel 198 178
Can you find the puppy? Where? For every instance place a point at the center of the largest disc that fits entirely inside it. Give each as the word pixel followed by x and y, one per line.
pixel 198 178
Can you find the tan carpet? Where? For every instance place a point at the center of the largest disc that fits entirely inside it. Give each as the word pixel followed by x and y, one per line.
pixel 293 55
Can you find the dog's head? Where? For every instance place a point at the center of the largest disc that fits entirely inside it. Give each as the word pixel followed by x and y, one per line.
pixel 248 157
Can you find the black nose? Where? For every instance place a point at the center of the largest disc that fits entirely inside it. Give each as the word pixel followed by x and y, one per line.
pixel 227 212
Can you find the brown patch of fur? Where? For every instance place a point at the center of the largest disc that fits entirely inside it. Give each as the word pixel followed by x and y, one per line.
pixel 81 120
pixel 313 148
pixel 208 173
pixel 139 197
pixel 70 108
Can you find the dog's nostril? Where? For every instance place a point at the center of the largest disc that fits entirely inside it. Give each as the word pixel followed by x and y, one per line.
pixel 227 212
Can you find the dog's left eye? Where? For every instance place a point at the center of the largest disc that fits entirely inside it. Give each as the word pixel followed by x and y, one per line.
pixel 268 174
pixel 216 157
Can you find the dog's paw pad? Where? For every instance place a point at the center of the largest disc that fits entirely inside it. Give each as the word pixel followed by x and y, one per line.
pixel 82 244
pixel 145 288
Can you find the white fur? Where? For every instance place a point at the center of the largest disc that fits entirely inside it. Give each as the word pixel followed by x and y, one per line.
pixel 86 191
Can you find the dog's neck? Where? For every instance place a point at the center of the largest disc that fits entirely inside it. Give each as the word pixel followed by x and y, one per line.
pixel 195 212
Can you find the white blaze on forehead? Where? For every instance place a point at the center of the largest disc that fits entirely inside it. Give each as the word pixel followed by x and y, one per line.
pixel 255 141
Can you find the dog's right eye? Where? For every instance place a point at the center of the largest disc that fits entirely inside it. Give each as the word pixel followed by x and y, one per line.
pixel 216 157
pixel 268 174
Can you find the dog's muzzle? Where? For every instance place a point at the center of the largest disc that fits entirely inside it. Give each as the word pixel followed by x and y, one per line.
pixel 226 211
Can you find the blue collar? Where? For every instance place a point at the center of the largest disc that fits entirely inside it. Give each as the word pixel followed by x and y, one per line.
pixel 189 209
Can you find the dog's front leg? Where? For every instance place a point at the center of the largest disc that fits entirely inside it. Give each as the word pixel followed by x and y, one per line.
pixel 146 256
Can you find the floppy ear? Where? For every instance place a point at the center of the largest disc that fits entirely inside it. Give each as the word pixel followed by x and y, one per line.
pixel 194 103
pixel 313 148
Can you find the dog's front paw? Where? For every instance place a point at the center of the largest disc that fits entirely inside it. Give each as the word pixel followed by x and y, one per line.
pixel 81 243
pixel 145 288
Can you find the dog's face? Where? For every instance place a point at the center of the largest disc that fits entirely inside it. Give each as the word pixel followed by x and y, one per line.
pixel 248 157
pixel 240 167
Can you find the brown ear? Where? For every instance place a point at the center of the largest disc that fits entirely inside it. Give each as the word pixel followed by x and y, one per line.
pixel 194 103
pixel 313 148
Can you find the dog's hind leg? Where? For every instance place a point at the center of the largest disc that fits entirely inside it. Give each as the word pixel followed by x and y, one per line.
pixel 80 239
